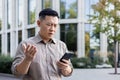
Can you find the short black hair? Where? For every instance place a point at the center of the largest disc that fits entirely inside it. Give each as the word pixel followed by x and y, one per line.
pixel 48 12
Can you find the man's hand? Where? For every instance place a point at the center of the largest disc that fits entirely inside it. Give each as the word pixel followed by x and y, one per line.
pixel 64 67
pixel 30 51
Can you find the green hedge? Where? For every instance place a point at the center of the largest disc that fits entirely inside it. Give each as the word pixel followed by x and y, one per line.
pixel 111 59
pixel 83 62
pixel 5 64
pixel 86 62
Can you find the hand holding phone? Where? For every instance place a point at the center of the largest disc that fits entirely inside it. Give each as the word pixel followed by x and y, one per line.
pixel 66 56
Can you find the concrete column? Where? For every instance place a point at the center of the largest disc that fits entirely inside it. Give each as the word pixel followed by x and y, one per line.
pixel 56 6
pixel 17 18
pixel 80 40
pixel 25 20
pixel 80 30
pixel 4 27
pixel 103 46
pixel 38 9
pixel 13 32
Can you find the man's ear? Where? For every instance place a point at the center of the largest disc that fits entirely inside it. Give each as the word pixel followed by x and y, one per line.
pixel 38 22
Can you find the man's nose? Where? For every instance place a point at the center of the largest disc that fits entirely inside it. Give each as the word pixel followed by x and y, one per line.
pixel 52 27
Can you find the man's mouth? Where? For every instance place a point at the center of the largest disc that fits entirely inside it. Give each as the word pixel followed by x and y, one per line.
pixel 51 33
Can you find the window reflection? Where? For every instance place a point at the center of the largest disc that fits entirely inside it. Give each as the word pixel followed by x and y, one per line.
pixel 8 43
pixel 31 11
pixel 68 34
pixel 47 4
pixel 0 44
pixel 92 40
pixel 88 8
pixel 20 13
pixel 68 9
pixel 19 36
pixel 9 13
pixel 31 32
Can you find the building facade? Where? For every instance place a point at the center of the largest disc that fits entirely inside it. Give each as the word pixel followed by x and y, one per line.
pixel 18 22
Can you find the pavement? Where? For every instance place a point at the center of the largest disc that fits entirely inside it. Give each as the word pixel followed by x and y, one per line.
pixel 8 77
pixel 81 74
pixel 94 74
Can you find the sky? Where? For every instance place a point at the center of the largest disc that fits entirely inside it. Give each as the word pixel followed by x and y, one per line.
pixel 69 2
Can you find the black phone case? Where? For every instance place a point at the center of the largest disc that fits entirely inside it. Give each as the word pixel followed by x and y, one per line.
pixel 66 56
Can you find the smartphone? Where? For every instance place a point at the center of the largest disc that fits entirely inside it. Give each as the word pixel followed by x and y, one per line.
pixel 66 56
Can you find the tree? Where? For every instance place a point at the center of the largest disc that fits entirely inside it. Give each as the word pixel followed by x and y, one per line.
pixel 47 3
pixel 106 19
pixel 87 44
pixel 71 38
pixel 62 9
pixel 32 17
pixel 72 11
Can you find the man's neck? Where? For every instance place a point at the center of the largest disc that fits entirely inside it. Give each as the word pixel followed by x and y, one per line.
pixel 45 40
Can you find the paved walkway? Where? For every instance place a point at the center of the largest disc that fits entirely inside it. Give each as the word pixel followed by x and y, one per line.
pixel 81 74
pixel 94 74
pixel 8 77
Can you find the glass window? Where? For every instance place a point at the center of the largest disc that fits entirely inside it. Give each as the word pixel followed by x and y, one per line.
pixel 68 9
pixel 31 32
pixel 88 9
pixel 47 4
pixel 0 14
pixel 9 13
pixel 68 34
pixel 31 11
pixel 8 43
pixel 0 44
pixel 19 36
pixel 92 40
pixel 20 13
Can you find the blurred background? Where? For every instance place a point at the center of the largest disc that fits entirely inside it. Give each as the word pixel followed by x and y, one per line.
pixel 18 22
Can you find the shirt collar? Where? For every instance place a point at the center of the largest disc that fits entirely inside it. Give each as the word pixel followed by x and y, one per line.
pixel 39 39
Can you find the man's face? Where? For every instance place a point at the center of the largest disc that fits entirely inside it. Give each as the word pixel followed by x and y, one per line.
pixel 48 27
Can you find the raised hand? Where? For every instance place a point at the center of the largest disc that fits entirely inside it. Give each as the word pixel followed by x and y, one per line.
pixel 30 51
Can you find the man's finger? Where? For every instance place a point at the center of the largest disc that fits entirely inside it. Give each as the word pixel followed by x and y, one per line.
pixel 34 50
pixel 28 47
pixel 66 61
pixel 24 47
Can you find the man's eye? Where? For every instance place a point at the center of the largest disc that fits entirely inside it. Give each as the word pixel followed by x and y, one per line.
pixel 49 24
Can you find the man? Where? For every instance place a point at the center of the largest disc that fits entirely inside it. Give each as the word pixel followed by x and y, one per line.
pixel 37 58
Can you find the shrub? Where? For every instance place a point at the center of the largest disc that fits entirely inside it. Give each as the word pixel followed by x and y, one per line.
pixel 97 59
pixel 86 62
pixel 83 62
pixel 5 64
pixel 111 59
